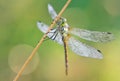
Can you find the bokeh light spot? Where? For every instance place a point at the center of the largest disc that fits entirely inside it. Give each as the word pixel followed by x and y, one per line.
pixel 18 56
pixel 112 7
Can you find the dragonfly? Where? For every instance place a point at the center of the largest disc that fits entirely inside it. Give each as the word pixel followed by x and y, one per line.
pixel 62 33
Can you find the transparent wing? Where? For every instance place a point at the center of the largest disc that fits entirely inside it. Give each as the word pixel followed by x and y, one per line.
pixel 83 49
pixel 94 36
pixel 51 11
pixel 44 28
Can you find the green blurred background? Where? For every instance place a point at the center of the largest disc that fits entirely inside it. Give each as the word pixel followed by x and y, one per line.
pixel 19 35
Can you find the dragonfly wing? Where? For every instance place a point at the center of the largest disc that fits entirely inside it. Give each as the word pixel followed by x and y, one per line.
pixel 94 36
pixel 44 28
pixel 58 39
pixel 51 11
pixel 83 49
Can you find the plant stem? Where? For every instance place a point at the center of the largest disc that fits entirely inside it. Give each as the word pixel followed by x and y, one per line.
pixel 40 42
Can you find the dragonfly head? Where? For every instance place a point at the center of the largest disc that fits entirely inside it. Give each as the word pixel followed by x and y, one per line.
pixel 63 19
pixel 62 22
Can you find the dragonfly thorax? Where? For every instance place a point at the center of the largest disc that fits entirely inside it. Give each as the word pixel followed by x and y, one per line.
pixel 63 26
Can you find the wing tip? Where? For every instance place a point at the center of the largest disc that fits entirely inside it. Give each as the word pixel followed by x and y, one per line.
pixel 38 23
pixel 100 55
pixel 49 5
pixel 110 36
pixel 99 51
pixel 109 33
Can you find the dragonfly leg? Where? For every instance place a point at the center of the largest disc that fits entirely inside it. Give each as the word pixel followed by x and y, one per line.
pixel 55 33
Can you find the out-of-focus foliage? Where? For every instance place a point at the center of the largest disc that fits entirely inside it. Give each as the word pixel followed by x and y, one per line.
pixel 18 28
